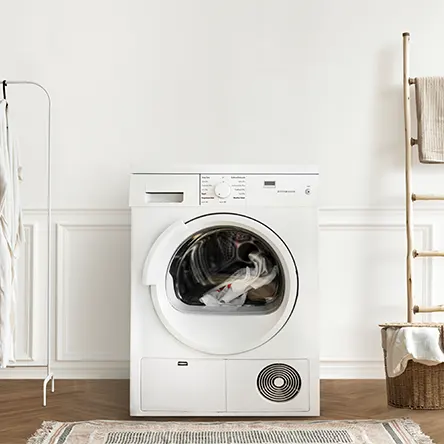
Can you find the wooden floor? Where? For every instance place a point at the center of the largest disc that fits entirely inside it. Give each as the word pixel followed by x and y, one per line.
pixel 21 412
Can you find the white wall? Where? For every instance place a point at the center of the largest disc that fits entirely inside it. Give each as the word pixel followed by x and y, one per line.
pixel 216 81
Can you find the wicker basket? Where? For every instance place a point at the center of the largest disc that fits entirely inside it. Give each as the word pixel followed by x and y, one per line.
pixel 419 387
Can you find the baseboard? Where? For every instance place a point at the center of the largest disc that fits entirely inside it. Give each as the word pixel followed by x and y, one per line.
pixel 65 373
pixel 328 370
pixel 92 373
pixel 352 370
pixel 23 373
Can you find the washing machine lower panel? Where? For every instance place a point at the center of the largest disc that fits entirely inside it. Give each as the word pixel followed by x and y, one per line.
pixel 268 385
pixel 226 387
pixel 182 385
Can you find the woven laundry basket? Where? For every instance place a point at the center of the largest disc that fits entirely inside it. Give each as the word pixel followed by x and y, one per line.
pixel 419 387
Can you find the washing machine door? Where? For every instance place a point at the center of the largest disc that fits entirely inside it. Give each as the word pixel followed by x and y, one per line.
pixel 221 283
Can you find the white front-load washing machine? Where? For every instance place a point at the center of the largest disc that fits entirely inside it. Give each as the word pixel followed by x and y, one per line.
pixel 224 292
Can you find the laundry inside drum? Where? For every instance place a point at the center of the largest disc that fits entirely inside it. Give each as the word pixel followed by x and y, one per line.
pixel 227 268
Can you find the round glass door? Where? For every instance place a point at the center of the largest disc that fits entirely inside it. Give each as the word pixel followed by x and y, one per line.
pixel 222 283
pixel 226 269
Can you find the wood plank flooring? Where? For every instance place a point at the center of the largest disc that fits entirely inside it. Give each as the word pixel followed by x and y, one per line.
pixel 21 411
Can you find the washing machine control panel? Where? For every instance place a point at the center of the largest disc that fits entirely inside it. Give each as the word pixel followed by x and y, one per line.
pixel 222 189
pixel 258 189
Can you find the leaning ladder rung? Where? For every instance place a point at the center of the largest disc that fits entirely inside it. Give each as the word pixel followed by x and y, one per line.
pixel 435 309
pixel 427 197
pixel 416 253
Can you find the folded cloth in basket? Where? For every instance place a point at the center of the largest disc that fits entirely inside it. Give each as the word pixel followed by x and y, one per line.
pixel 420 344
pixel 429 93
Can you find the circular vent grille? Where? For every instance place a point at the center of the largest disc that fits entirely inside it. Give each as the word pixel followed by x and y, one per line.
pixel 279 382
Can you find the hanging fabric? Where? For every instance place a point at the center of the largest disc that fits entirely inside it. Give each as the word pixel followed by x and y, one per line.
pixel 11 236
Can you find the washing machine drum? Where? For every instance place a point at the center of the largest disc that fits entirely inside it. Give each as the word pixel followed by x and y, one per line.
pixel 222 283
pixel 225 267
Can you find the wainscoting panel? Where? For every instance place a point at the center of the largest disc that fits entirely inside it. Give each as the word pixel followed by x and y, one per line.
pixel 26 298
pixel 30 345
pixel 362 281
pixel 362 271
pixel 93 292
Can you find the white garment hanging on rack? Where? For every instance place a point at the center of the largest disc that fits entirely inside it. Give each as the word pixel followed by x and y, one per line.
pixel 11 236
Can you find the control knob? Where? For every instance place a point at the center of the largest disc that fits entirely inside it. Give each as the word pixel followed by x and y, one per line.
pixel 222 190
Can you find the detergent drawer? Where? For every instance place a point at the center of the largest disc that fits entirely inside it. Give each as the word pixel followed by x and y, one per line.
pixel 189 385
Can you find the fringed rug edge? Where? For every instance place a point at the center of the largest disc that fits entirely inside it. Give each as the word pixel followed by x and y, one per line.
pixel 43 432
pixel 415 430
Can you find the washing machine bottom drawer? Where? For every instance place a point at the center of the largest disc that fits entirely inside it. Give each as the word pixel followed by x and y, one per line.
pixel 196 385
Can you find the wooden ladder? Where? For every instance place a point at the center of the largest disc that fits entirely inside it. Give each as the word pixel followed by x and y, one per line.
pixel 412 197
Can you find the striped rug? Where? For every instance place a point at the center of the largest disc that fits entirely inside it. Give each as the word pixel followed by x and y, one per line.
pixel 397 431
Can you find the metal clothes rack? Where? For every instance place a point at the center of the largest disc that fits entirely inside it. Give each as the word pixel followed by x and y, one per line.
pixel 49 374
pixel 412 197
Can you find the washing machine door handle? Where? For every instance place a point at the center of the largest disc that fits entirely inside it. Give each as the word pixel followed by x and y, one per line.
pixel 161 252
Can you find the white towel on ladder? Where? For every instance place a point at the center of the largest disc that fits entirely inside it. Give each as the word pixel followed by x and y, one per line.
pixel 11 236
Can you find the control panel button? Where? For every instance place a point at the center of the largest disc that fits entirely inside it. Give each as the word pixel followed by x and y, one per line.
pixel 222 190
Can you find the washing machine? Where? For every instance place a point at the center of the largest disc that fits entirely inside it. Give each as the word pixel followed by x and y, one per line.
pixel 224 291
